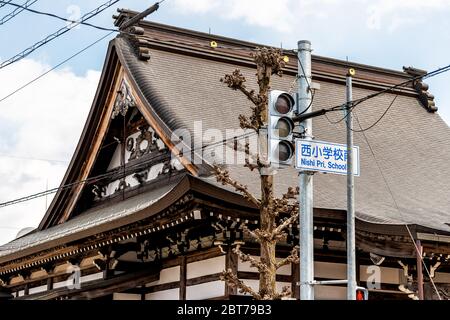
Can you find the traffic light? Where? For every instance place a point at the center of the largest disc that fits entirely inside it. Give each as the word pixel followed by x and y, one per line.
pixel 280 128
pixel 362 293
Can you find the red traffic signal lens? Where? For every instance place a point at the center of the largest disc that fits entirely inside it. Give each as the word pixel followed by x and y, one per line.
pixel 284 104
pixel 360 295
pixel 284 151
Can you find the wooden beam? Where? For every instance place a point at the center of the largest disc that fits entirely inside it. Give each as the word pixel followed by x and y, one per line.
pixel 255 276
pixel 100 288
pixel 162 287
pixel 49 283
pixel 203 279
pixel 419 268
pixel 183 274
pixel 231 263
pixel 95 145
pixel 295 271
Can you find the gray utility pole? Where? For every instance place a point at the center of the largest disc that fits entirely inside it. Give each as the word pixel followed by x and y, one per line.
pixel 351 251
pixel 306 178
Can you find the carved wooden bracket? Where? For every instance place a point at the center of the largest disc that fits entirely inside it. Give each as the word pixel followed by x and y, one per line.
pixel 124 100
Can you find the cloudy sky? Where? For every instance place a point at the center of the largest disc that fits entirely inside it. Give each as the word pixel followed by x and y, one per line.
pixel 40 125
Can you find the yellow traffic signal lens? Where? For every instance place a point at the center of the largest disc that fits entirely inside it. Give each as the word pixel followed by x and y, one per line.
pixel 284 127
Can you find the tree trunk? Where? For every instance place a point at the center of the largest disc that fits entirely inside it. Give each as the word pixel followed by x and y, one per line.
pixel 267 278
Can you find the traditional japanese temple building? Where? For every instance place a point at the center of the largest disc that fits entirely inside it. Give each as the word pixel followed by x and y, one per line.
pixel 135 222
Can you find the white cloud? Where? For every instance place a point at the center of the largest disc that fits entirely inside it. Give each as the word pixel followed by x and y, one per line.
pixel 288 15
pixel 197 6
pixel 43 121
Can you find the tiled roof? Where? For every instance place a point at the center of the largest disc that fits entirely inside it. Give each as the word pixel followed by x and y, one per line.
pixel 411 146
pixel 88 220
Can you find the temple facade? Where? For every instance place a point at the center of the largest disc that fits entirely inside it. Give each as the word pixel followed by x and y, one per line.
pixel 137 218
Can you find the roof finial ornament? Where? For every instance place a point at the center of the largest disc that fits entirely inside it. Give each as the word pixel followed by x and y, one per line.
pixel 425 98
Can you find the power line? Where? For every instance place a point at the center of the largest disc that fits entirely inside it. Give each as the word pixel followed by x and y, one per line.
pixel 379 119
pixel 57 17
pixel 30 158
pixel 401 84
pixel 417 250
pixel 4 3
pixel 55 67
pixel 16 11
pixel 118 171
pixel 356 102
pixel 58 33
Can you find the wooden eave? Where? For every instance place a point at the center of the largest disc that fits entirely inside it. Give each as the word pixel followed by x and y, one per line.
pixel 83 159
pixel 83 149
pixel 59 247
pixel 194 43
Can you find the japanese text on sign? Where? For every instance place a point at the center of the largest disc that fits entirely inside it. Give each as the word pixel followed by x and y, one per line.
pixel 324 157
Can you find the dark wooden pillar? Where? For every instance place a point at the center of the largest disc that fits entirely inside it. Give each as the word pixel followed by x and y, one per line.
pixel 49 283
pixel 358 268
pixel 295 272
pixel 231 262
pixel 419 268
pixel 183 275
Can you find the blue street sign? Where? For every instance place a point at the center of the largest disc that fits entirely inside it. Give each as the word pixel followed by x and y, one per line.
pixel 312 155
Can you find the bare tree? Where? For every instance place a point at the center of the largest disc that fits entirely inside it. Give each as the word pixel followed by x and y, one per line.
pixel 276 214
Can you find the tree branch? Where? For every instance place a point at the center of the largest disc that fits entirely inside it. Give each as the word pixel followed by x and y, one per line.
pixel 254 263
pixel 292 258
pixel 278 230
pixel 223 176
pixel 233 281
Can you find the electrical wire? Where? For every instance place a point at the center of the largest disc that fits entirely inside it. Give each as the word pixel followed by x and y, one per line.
pixel 30 158
pixel 118 171
pixel 55 16
pixel 16 11
pixel 4 3
pixel 396 204
pixel 379 119
pixel 56 34
pixel 54 67
pixel 356 102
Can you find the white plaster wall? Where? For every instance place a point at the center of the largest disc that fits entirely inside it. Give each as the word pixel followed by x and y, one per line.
pixel 167 275
pixel 91 277
pixel 115 160
pixel 38 289
pixel 171 294
pixel 440 277
pixel 329 270
pixel 330 293
pixel 205 267
pixel 205 290
pixel 61 284
pixel 126 296
pixel 388 275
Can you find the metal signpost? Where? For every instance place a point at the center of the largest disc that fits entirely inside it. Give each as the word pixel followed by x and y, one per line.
pixel 318 156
